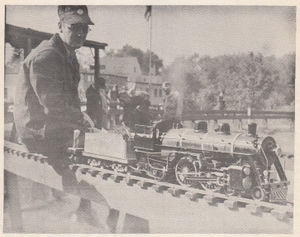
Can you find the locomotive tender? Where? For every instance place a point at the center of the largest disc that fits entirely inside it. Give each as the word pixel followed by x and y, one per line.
pixel 234 163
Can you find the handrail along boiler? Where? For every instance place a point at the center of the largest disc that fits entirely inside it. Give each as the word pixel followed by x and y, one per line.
pixel 234 163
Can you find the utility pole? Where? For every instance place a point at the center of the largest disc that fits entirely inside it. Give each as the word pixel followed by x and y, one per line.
pixel 150 49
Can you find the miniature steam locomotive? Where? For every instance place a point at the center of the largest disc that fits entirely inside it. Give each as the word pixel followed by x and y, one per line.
pixel 234 163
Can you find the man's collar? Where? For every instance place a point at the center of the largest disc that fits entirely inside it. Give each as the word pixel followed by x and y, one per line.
pixel 57 40
pixel 70 51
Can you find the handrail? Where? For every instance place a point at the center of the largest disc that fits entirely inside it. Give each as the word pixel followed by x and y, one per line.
pixel 233 114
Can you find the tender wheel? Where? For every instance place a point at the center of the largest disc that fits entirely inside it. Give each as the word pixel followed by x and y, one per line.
pixel 185 168
pixel 258 193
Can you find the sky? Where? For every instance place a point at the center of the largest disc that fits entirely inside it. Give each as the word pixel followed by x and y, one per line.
pixel 179 30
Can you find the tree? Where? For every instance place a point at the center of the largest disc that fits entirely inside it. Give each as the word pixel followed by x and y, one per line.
pixel 142 57
pixel 244 79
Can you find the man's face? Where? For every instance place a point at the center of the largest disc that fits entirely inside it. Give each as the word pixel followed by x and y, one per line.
pixel 74 35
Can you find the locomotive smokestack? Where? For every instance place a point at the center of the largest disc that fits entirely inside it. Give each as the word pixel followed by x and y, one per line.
pixel 252 129
pixel 201 127
pixel 225 128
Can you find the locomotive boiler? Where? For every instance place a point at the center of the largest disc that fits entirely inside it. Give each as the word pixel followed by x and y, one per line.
pixel 234 163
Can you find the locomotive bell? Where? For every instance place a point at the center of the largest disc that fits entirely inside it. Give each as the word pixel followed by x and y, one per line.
pixel 252 129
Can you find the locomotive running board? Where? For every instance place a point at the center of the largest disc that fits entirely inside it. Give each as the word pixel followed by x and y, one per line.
pixel 108 158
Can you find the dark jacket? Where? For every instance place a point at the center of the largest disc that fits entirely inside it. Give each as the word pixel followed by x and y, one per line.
pixel 94 106
pixel 136 111
pixel 46 102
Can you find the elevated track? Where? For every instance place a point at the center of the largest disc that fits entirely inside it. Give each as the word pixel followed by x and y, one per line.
pixel 166 207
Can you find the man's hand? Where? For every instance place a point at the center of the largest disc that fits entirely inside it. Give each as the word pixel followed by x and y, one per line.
pixel 87 122
pixel 94 130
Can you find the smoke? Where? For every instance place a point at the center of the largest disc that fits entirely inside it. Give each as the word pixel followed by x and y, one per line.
pixel 176 75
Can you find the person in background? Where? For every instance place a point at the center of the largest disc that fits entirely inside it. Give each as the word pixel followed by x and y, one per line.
pixel 125 98
pixel 103 91
pixel 94 102
pixel 138 109
pixel 171 102
pixel 113 105
pixel 172 108
pixel 143 115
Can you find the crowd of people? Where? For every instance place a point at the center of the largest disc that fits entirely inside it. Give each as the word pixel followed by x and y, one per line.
pixel 111 107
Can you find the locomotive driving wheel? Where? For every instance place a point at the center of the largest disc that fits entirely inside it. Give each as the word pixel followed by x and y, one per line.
pixel 185 169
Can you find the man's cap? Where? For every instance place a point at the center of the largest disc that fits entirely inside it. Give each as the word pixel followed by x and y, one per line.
pixel 74 14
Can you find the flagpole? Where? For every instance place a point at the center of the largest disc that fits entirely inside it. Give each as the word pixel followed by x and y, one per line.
pixel 150 49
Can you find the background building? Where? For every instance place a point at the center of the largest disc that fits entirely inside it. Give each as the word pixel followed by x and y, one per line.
pixel 129 67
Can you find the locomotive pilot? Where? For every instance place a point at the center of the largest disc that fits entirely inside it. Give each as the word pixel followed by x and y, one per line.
pixel 47 106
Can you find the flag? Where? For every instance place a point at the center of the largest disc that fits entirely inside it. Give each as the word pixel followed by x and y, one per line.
pixel 148 12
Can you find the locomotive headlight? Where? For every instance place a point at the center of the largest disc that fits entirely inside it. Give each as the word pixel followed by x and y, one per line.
pixel 246 170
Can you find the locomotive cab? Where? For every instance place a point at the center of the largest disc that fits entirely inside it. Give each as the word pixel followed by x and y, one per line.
pixel 149 137
pixel 146 138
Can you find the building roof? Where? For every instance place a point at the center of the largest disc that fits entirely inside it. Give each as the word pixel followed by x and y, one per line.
pixel 18 36
pixel 91 72
pixel 145 79
pixel 120 65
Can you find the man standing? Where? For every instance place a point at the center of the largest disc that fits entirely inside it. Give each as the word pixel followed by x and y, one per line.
pixel 105 105
pixel 172 104
pixel 125 99
pixel 172 107
pixel 47 105
pixel 94 102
